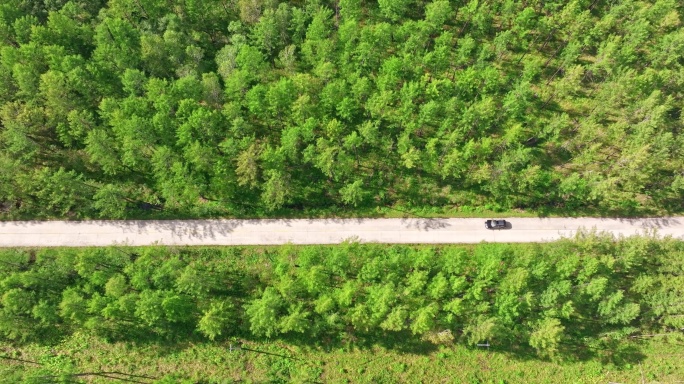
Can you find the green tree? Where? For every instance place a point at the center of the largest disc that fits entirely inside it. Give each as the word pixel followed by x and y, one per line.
pixel 394 9
pixel 438 12
pixel 277 190
pixel 263 313
pixel 150 309
pixel 111 202
pixel 117 44
pixel 73 306
pixel 424 319
pixel 546 336
pixel 216 320
pixel 296 319
pixel 353 193
pixel 247 168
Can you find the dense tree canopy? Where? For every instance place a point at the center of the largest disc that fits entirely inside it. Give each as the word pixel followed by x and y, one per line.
pixel 252 106
pixel 564 299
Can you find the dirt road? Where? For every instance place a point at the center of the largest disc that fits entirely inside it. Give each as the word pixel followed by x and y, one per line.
pixel 319 231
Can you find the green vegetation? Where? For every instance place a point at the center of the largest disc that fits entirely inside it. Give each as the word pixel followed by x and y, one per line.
pixel 278 362
pixel 587 302
pixel 171 108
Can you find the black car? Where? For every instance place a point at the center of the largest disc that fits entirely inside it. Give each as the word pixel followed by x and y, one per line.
pixel 495 224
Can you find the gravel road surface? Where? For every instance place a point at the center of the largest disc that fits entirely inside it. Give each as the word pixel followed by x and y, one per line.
pixel 318 231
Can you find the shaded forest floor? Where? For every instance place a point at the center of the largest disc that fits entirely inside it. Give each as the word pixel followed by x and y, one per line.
pixel 92 360
pixel 210 211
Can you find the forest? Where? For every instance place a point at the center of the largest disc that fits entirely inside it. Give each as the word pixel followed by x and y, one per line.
pixel 188 108
pixel 588 298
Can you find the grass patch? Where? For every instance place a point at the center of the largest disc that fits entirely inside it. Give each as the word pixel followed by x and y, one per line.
pixel 276 361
